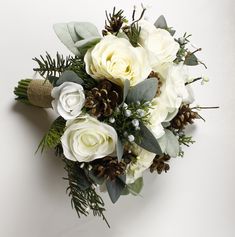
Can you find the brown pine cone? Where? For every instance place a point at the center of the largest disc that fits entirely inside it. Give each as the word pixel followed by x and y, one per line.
pixel 184 117
pixel 159 164
pixel 108 167
pixel 156 75
pixel 103 99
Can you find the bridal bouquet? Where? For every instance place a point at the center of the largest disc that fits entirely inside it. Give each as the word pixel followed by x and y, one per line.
pixel 123 100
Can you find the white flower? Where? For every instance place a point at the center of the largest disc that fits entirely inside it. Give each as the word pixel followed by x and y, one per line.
pixel 173 93
pixel 86 139
pixel 117 60
pixel 136 168
pixel 161 46
pixel 68 100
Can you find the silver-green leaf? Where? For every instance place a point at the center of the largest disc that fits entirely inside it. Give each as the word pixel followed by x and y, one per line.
pixel 86 30
pixel 149 142
pixel 144 91
pixel 64 34
pixel 69 76
pixel 120 150
pixel 84 45
pixel 115 187
pixel 161 22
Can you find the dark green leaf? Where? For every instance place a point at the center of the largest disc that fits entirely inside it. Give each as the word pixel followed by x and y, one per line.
pixel 161 22
pixel 115 187
pixel 120 150
pixel 52 79
pixel 144 91
pixel 149 142
pixel 191 60
pixel 94 178
pixel 69 76
pixel 125 90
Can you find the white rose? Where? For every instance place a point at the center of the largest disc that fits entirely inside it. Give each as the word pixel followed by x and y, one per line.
pixel 86 139
pixel 117 60
pixel 136 168
pixel 173 93
pixel 161 46
pixel 68 100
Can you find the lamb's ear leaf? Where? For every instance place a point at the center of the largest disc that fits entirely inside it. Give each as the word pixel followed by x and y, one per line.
pixel 69 76
pixel 120 149
pixel 115 187
pixel 143 91
pixel 172 146
pixel 191 60
pixel 84 45
pixel 148 141
pixel 161 22
pixel 63 33
pixel 86 30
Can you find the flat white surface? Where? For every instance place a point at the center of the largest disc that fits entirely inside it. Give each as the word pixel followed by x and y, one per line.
pixel 196 198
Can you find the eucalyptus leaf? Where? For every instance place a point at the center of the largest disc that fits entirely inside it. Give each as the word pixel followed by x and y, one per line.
pixel 94 178
pixel 75 37
pixel 171 31
pixel 172 146
pixel 83 183
pixel 115 187
pixel 191 60
pixel 149 142
pixel 120 150
pixel 52 79
pixel 161 22
pixel 144 91
pixel 136 187
pixel 63 33
pixel 86 30
pixel 69 76
pixel 125 90
pixel 84 45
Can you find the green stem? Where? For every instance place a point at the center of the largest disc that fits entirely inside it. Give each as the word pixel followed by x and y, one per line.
pixel 21 91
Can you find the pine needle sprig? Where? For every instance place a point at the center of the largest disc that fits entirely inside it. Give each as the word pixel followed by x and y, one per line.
pixel 52 138
pixel 82 192
pixel 48 66
pixel 77 65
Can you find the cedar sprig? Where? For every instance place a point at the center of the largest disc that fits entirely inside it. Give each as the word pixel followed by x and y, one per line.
pixel 53 136
pixel 48 66
pixel 82 192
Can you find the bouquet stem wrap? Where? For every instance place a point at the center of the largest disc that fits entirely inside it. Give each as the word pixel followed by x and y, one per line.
pixel 35 92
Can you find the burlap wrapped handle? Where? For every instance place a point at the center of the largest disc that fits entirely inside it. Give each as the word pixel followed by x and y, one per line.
pixel 39 93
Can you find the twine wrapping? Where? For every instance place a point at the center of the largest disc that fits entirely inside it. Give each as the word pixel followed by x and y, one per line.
pixel 39 93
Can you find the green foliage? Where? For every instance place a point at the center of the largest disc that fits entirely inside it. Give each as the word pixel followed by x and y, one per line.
pixel 68 76
pixel 148 141
pixel 82 192
pixel 123 124
pixel 185 140
pixel 84 45
pixel 78 66
pixel 115 187
pixel 143 91
pixel 133 33
pixel 48 66
pixel 21 91
pixel 52 138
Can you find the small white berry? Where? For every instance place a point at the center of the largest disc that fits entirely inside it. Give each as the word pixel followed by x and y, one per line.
pixel 131 138
pixel 128 113
pixel 89 167
pixel 111 120
pixel 125 106
pixel 181 40
pixel 82 165
pixel 140 112
pixel 135 122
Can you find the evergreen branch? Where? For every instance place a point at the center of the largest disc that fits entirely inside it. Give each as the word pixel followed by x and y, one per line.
pixel 21 91
pixel 82 192
pixel 52 67
pixel 52 138
pixel 78 66
pixel 185 140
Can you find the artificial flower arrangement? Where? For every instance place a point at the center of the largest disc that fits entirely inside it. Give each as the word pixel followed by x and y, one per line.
pixel 123 101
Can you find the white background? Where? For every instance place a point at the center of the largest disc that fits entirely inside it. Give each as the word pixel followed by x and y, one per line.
pixel 196 198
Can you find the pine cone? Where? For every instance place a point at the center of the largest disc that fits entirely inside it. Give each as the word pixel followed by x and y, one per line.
pixel 159 164
pixel 103 99
pixel 109 167
pixel 185 116
pixel 156 75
